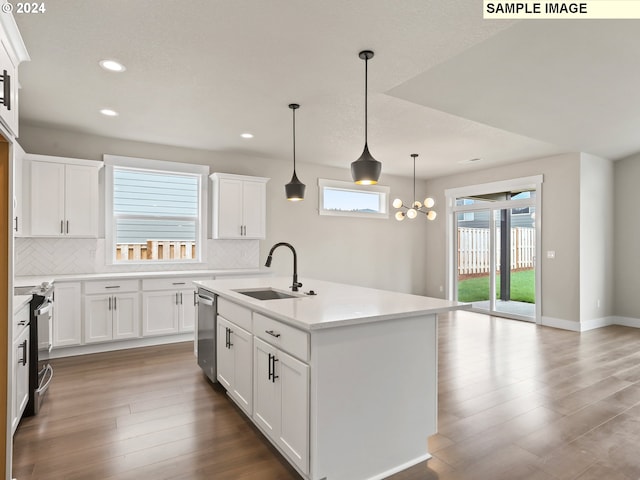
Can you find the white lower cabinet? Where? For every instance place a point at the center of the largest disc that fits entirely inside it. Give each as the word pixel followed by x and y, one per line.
pixel 20 373
pixel 168 306
pixel 281 401
pixel 165 313
pixel 67 314
pixel 111 317
pixel 234 358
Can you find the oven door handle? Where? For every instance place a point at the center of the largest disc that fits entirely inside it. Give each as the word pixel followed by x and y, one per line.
pixel 45 385
pixel 205 300
pixel 44 308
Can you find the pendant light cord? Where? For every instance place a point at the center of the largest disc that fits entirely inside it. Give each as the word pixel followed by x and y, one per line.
pixel 366 102
pixel 294 141
pixel 414 178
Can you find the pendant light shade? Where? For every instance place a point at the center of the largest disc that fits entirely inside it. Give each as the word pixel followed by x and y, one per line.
pixel 366 169
pixel 295 188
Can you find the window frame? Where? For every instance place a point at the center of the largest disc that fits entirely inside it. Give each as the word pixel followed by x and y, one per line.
pixel 160 166
pixel 382 191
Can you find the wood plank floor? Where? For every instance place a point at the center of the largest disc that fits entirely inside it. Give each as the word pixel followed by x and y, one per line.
pixel 516 401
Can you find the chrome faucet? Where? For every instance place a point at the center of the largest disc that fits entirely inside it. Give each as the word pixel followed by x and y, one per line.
pixel 295 285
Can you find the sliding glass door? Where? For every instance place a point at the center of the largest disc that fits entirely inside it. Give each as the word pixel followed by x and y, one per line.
pixel 495 238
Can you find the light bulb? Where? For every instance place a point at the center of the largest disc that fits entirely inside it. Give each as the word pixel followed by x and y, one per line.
pixel 429 202
pixel 412 213
pixel 399 216
pixel 397 203
pixel 431 215
pixel 417 205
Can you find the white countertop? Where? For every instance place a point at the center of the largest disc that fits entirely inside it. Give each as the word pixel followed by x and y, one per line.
pixel 335 304
pixel 20 301
pixel 22 281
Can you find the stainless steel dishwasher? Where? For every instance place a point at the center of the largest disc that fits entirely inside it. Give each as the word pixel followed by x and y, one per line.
pixel 207 312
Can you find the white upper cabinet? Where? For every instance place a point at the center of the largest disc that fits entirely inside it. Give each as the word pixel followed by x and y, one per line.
pixel 18 196
pixel 12 53
pixel 239 206
pixel 64 197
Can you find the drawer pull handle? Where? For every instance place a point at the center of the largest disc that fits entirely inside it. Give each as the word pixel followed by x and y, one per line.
pixel 23 360
pixel 272 333
pixel 112 286
pixel 179 283
pixel 5 78
pixel 228 340
pixel 272 368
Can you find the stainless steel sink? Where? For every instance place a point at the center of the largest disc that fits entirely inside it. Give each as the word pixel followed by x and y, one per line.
pixel 266 293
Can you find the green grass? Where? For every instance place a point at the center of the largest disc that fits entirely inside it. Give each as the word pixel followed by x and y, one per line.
pixel 476 289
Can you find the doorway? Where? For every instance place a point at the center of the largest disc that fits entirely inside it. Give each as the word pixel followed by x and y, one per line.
pixel 494 243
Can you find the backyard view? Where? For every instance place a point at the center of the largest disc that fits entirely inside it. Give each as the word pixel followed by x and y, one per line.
pixel 477 288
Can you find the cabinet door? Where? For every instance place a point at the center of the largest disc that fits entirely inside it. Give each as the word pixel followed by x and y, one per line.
pixel 254 209
pixel 126 318
pixel 18 200
pixel 20 377
pixel 187 310
pixel 98 318
pixel 81 201
pixel 47 199
pixel 229 209
pixel 159 313
pixel 67 315
pixel 294 425
pixel 9 113
pixel 224 354
pixel 242 388
pixel 266 391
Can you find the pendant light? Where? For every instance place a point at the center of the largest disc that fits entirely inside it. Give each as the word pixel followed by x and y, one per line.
pixel 366 169
pixel 416 206
pixel 295 188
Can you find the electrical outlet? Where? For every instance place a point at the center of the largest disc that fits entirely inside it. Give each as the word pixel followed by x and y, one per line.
pixel 551 254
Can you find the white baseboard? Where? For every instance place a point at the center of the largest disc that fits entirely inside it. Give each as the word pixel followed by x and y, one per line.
pixel 590 324
pixel 627 321
pixel 119 345
pixel 561 323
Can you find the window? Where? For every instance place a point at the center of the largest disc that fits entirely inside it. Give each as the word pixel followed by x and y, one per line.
pixel 347 199
pixel 465 216
pixel 154 214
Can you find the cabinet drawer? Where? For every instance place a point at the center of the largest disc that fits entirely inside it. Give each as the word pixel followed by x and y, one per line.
pixel 284 337
pixel 21 321
pixel 111 286
pixel 233 312
pixel 180 283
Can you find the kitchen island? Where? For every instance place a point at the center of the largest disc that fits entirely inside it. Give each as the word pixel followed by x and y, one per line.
pixel 342 379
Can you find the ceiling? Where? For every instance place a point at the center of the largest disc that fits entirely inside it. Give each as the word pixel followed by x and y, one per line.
pixel 444 83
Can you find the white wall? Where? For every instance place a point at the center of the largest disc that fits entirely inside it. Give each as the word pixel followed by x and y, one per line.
pixel 596 239
pixel 378 253
pixel 626 295
pixel 560 230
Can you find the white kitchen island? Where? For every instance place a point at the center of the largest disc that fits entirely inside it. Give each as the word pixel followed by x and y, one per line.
pixel 343 383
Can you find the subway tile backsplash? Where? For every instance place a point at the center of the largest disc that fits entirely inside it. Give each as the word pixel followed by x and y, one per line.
pixel 46 256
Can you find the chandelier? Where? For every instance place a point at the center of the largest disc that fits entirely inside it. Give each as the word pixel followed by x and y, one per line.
pixel 416 206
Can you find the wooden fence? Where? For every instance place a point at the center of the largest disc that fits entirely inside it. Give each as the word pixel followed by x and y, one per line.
pixel 155 250
pixel 473 249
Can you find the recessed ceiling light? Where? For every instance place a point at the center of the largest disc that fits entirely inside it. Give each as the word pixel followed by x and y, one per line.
pixel 112 66
pixel 108 112
pixel 247 135
pixel 469 160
